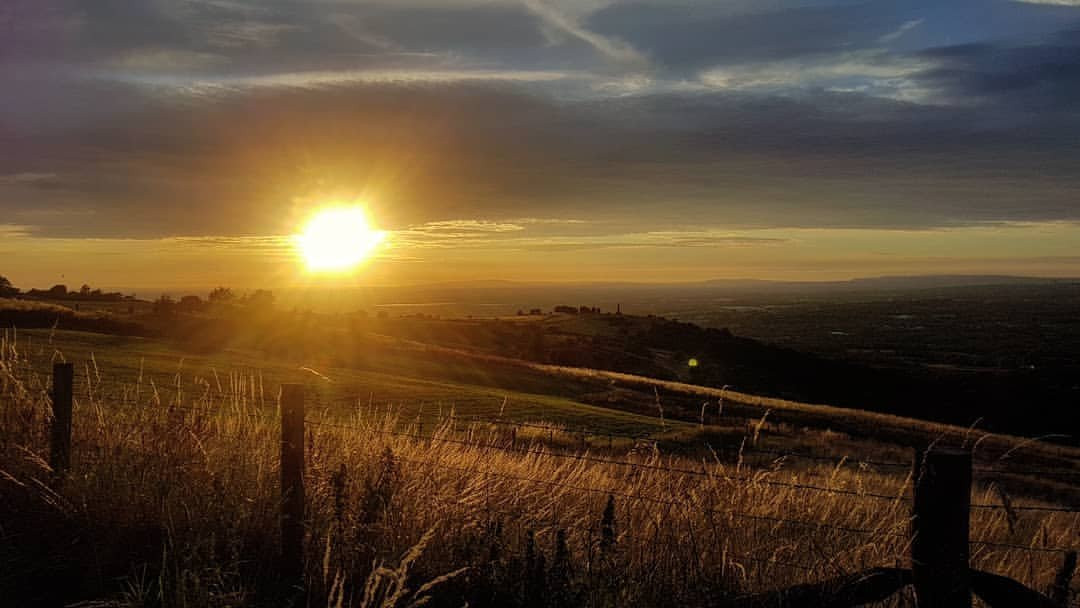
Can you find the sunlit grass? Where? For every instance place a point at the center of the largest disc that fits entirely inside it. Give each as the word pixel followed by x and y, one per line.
pixel 177 503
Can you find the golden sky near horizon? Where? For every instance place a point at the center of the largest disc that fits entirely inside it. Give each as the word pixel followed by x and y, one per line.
pixel 184 144
pixel 477 250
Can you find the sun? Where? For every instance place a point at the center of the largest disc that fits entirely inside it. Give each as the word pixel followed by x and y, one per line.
pixel 338 239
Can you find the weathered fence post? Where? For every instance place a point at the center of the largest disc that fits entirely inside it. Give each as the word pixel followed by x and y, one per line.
pixel 1059 591
pixel 940 526
pixel 292 481
pixel 60 443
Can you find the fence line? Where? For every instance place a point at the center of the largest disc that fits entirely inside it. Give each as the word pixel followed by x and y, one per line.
pixel 737 514
pixel 940 526
pixel 660 501
pixel 205 391
pixel 683 471
pixel 624 463
pixel 1001 545
pixel 836 461
pixel 555 523
pixel 82 457
pixel 1034 508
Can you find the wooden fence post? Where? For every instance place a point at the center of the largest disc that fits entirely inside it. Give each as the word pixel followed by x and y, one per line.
pixel 60 443
pixel 292 482
pixel 940 527
pixel 1059 591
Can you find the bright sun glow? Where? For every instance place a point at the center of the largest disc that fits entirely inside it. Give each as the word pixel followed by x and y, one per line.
pixel 338 239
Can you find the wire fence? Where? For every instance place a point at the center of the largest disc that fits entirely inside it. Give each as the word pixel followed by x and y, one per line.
pixel 684 504
pixel 199 397
pixel 169 389
pixel 556 523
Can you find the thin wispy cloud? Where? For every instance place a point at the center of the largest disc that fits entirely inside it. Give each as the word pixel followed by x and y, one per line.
pixel 904 28
pixel 9 231
pixel 537 234
pixel 870 72
pixel 1052 2
pixel 616 50
pixel 28 178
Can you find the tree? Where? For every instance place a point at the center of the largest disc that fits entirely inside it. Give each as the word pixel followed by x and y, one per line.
pixel 190 304
pixel 58 291
pixel 7 290
pixel 164 306
pixel 221 295
pixel 261 299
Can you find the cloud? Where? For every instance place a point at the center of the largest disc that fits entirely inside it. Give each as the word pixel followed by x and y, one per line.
pixel 1052 2
pixel 27 178
pixel 900 31
pixel 458 228
pixel 210 39
pixel 227 117
pixel 1043 77
pixel 12 231
pixel 261 245
pixel 236 163
pixel 870 72
pixel 691 36
pixel 489 235
pixel 548 221
pixel 611 48
pixel 158 59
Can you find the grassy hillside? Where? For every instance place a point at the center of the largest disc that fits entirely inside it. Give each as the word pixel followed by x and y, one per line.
pixel 173 500
pixel 646 346
pixel 673 351
pixel 425 382
pixel 419 387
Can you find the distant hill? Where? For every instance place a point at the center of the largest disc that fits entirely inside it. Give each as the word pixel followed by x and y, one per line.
pixel 953 386
pixel 671 350
pixel 897 282
pixel 363 295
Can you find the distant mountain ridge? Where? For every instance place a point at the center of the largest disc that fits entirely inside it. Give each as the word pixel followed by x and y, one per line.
pixel 890 282
pixel 929 281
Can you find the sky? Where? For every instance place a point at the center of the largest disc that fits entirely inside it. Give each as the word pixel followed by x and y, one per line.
pixel 182 143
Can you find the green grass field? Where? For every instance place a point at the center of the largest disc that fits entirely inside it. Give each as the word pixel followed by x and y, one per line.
pixel 421 387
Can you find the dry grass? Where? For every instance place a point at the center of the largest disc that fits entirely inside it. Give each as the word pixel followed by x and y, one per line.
pixel 865 423
pixel 176 505
pixel 13 304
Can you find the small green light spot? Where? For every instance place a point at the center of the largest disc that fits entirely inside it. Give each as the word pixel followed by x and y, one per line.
pixel 692 363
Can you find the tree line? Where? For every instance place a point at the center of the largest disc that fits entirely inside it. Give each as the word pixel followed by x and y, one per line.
pixel 260 299
pixel 61 292
pixel 165 305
